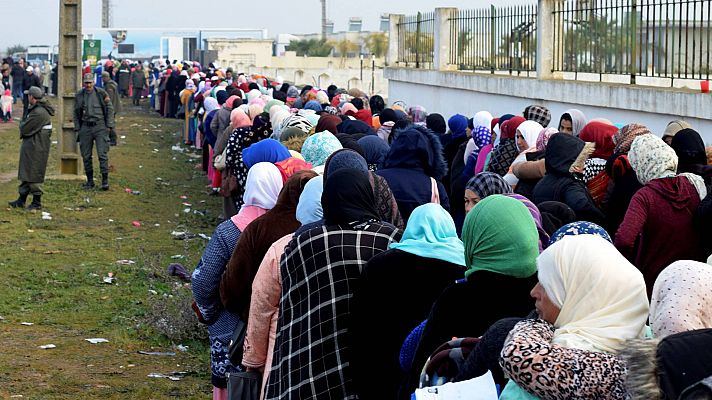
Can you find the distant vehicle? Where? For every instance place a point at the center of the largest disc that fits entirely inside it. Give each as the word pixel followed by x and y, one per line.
pixel 38 54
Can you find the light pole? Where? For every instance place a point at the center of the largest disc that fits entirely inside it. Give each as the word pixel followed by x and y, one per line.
pixel 362 68
pixel 373 73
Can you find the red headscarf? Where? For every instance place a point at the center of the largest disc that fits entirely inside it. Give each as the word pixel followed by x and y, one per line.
pixel 601 134
pixel 509 127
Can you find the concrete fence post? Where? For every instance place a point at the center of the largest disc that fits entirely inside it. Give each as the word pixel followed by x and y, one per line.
pixel 546 25
pixel 393 38
pixel 69 71
pixel 443 36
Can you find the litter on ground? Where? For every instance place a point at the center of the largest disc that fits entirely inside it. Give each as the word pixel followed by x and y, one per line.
pixel 96 340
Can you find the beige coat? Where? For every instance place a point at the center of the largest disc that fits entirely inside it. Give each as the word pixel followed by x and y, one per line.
pixel 264 311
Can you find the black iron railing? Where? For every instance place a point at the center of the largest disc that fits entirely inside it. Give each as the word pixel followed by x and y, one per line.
pixel 494 39
pixel 416 36
pixel 649 38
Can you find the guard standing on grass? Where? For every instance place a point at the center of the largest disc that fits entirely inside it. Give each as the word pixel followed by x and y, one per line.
pixel 112 89
pixel 35 131
pixel 93 120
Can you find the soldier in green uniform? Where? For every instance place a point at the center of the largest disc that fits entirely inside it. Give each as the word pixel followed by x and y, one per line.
pixel 93 120
pixel 35 131
pixel 112 89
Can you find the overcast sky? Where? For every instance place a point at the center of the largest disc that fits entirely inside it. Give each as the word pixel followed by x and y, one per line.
pixel 36 21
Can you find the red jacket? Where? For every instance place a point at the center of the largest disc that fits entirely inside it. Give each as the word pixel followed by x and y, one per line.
pixel 658 227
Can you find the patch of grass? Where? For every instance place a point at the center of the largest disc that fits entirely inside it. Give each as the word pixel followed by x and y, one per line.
pixel 51 273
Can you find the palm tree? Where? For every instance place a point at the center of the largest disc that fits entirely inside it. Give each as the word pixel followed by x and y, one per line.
pixel 377 43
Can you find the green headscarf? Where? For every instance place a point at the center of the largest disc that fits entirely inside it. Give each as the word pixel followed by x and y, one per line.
pixel 500 236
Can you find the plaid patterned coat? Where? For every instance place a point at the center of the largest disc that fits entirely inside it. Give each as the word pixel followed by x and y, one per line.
pixel 320 272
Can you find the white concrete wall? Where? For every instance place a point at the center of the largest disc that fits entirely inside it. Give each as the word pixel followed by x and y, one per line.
pixel 449 93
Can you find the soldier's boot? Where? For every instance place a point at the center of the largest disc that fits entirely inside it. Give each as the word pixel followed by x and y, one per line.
pixel 89 183
pixel 19 203
pixel 104 181
pixel 36 202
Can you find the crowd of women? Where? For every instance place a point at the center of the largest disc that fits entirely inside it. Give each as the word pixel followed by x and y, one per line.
pixel 370 249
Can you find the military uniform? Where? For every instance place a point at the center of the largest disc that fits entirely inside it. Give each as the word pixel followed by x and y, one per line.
pixel 93 118
pixel 35 131
pixel 112 89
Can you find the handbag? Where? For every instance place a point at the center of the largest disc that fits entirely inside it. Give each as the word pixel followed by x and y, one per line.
pixel 235 348
pixel 220 160
pixel 244 385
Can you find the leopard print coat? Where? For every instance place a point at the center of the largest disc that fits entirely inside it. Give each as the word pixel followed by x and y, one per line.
pixel 553 372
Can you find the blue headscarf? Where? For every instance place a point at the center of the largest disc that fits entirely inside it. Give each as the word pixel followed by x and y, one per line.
pixel 267 150
pixel 309 206
pixel 375 150
pixel 319 146
pixel 344 159
pixel 431 233
pixel 579 228
pixel 313 105
pixel 458 125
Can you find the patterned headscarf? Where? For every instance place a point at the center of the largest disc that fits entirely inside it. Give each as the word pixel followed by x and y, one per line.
pixel 536 216
pixel 624 138
pixel 482 136
pixel 544 137
pixel 297 121
pixel 681 299
pixel 651 158
pixel 539 114
pixel 318 147
pixel 418 114
pixel 579 228
pixel 487 183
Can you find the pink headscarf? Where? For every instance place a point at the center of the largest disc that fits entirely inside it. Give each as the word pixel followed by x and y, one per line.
pixel 239 119
pixel 228 103
pixel 348 107
pixel 255 110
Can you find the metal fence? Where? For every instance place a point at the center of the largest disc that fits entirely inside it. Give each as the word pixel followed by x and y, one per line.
pixel 650 38
pixel 416 35
pixel 494 39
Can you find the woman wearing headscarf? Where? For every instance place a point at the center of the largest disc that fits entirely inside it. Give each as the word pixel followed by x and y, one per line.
pixel 263 186
pixel 482 185
pixel 538 114
pixel 211 106
pixel 418 115
pixel 481 122
pixel 320 273
pixel 454 143
pixel 318 147
pixel 267 150
pixel 501 246
pixel 236 283
pixel 681 299
pixel 387 119
pixel 572 122
pixel 235 171
pixel 398 288
pixel 186 99
pixel 623 183
pixel 530 172
pixel 536 216
pixel 690 150
pixel 526 137
pixel 374 151
pixel 413 169
pixel 594 174
pixel 590 300
pixel 666 203
pixel 506 151
pixel 386 204
pixel 565 156
pixel 481 137
pixel 328 123
pixel 579 228
pixel 673 128
pixel 266 288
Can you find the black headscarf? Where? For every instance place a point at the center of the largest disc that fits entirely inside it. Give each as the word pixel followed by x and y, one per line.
pixel 436 123
pixel 348 197
pixel 350 142
pixel 689 147
pixel 387 115
pixel 683 360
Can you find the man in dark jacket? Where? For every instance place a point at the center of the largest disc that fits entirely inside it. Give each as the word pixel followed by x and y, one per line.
pixel 93 119
pixel 112 89
pixel 563 154
pixel 138 83
pixel 29 80
pixel 35 131
pixel 17 73
pixel 123 78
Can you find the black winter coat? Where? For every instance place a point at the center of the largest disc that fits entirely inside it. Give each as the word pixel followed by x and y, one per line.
pixel 397 292
pixel 560 185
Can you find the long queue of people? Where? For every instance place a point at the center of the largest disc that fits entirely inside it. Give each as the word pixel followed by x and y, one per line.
pixel 371 249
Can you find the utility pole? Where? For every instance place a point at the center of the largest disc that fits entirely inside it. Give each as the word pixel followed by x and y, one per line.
pixel 323 20
pixel 105 13
pixel 69 70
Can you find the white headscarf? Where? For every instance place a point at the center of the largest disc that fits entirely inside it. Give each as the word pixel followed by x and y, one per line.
pixel 482 118
pixel 602 296
pixel 578 120
pixel 262 187
pixel 210 104
pixel 682 299
pixel 530 130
